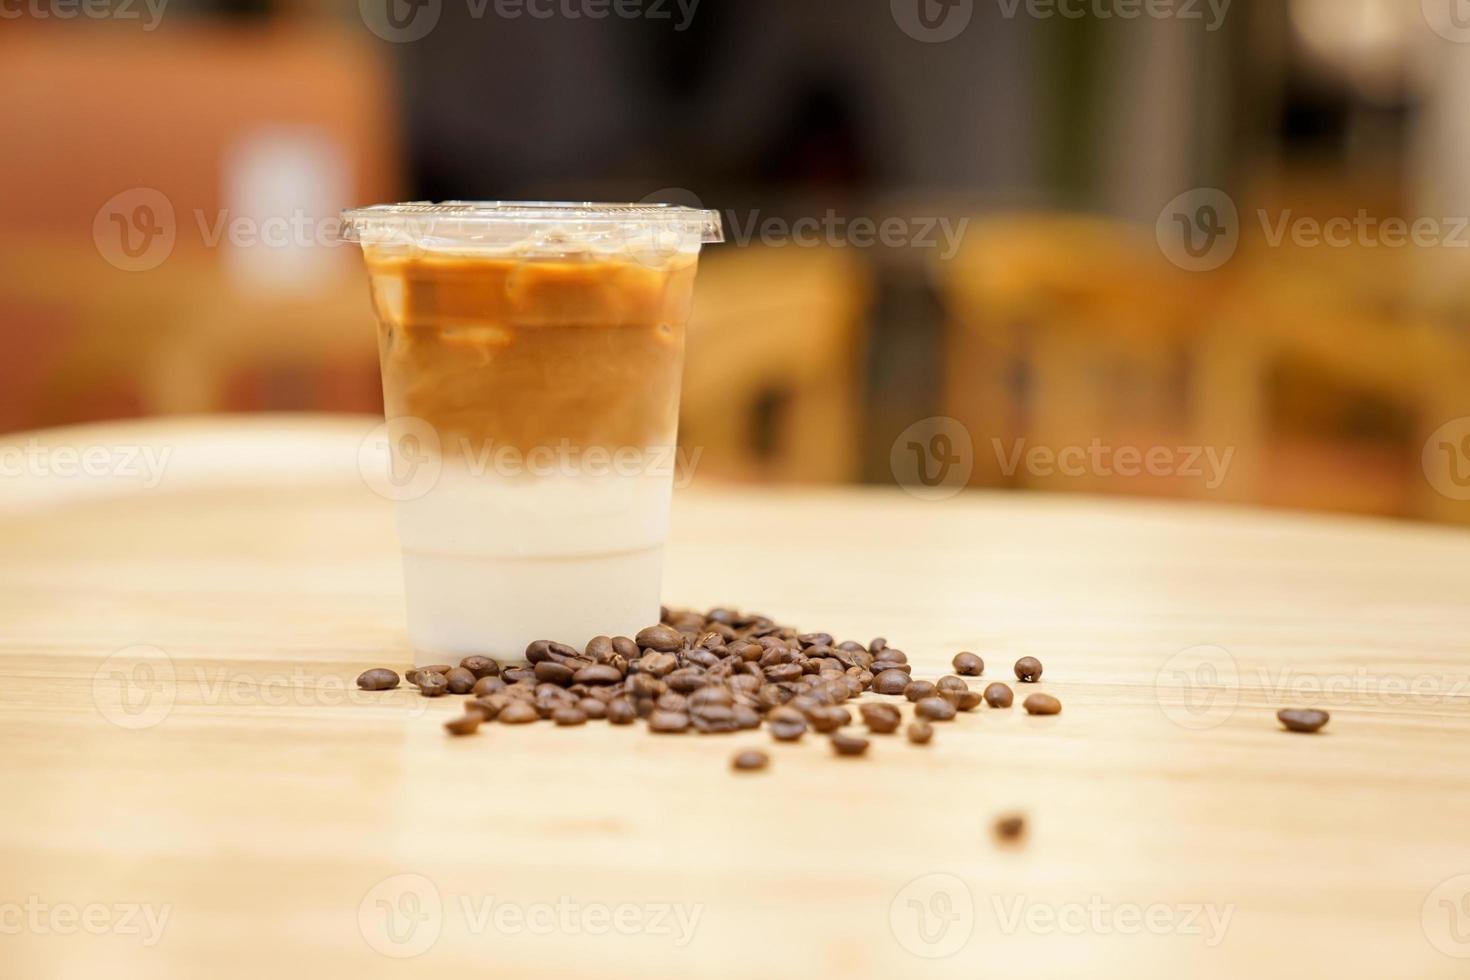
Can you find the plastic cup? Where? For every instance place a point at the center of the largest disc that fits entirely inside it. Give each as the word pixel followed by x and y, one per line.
pixel 532 356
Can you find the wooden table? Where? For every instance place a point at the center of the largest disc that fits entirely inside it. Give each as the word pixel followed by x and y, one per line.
pixel 179 739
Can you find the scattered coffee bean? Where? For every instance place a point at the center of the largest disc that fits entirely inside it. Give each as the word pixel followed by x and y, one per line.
pixel 969 701
pixel 890 682
pixel 668 722
pixel 460 681
pixel 1028 670
pixel 551 672
pixel 919 690
pixel 881 719
pixel 515 675
pixel 467 725
pixel 828 718
pixel 750 760
pixel 1042 704
pixel 481 667
pixel 519 713
pixel 621 712
pixel 968 665
pixel 786 724
pixel 848 744
pixel 1010 827
pixel 377 679
pixel 593 708
pixel 998 695
pixel 664 639
pixel 949 682
pixel 431 685
pixel 568 717
pixel 487 686
pixel 1305 720
pixel 412 676
pixel 920 731
pixel 598 674
pixel 934 709
pixel 487 708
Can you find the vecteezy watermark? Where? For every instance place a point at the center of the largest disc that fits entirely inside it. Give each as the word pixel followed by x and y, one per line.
pixel 1450 19
pixel 144 465
pixel 405 21
pixel 833 230
pixel 405 457
pixel 1204 463
pixel 1199 230
pixel 134 230
pixel 1198 687
pixel 1445 917
pixel 1211 12
pixel 1446 459
pixel 148 11
pixel 140 687
pixel 404 915
pixel 36 917
pixel 933 458
pixel 1098 916
pixel 932 21
pixel 933 916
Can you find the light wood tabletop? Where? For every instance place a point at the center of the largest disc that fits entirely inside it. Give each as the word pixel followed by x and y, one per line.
pixel 193 787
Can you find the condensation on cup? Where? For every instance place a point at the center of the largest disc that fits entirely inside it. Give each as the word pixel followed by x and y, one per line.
pixel 532 355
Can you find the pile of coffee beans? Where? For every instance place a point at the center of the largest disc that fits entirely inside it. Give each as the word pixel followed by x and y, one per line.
pixel 715 672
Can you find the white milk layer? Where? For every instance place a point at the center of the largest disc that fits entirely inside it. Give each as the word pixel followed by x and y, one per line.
pixel 492 563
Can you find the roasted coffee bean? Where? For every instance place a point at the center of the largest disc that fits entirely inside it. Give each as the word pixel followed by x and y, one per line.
pixel 480 666
pixel 848 744
pixel 551 672
pixel 881 719
pixel 711 694
pixel 668 722
pixel 466 725
pixel 1010 828
pixel 1028 670
pixel 877 645
pixel 460 681
pixel 890 682
pixel 827 719
pixel 621 712
pixel 664 639
pixel 594 709
pixel 1042 704
pixel 783 672
pixel 786 724
pixel 714 718
pixel 672 702
pixel 626 646
pixel 951 683
pixel 702 658
pixel 746 717
pixel 519 713
pixel 969 701
pixel 934 709
pixel 658 664
pixel 488 708
pixel 920 731
pixel 879 666
pixel 599 649
pixel 814 639
pixel 686 680
pixel 412 676
pixel 645 686
pixel 515 675
pixel 597 674
pixel 564 654
pixel 750 760
pixel 1305 720
pixel 568 717
pixel 710 640
pixel 968 665
pixel 998 695
pixel 919 690
pixel 537 651
pixel 377 679
pixel 894 656
pixel 487 685
pixel 431 685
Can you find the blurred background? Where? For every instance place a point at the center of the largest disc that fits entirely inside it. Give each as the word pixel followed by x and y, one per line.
pixel 1167 248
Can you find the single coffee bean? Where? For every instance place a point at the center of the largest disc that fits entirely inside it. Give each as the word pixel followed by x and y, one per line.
pixel 599 649
pixel 750 760
pixel 1042 704
pixel 625 646
pixel 951 683
pixel 1010 828
pixel 480 667
pixel 488 708
pixel 487 685
pixel 668 722
pixel 890 682
pixel 848 744
pixel 746 717
pixel 551 672
pixel 1028 670
pixel 672 701
pixel 877 645
pixel 934 709
pixel 519 713
pixel 664 639
pixel 997 695
pixel 783 672
pixel 460 681
pixel 786 724
pixel 515 675
pixel 593 708
pixel 829 718
pixel 919 690
pixel 621 712
pixel 687 680
pixel 714 719
pixel 969 701
pixel 920 731
pixel 467 725
pixel 412 676
pixel 377 679
pixel 968 665
pixel 879 666
pixel 597 674
pixel 432 685
pixel 568 717
pixel 1305 720
pixel 894 656
pixel 881 719
pixel 658 664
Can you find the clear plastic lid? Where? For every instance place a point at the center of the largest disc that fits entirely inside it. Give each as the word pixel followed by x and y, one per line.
pixel 532 227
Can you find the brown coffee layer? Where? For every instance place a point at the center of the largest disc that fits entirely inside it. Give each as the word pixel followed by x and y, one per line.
pixel 533 352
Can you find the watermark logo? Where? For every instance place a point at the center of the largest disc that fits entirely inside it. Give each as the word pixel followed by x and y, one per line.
pixel 1450 19
pixel 1198 688
pixel 135 688
pixel 405 21
pixel 401 459
pixel 401 916
pixel 933 458
pixel 141 465
pixel 1099 916
pixel 1211 12
pixel 1446 917
pixel 1204 463
pixel 1446 459
pixel 149 11
pixel 933 916
pixel 932 21
pixel 1199 230
pixel 36 917
pixel 134 230
pixel 400 21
